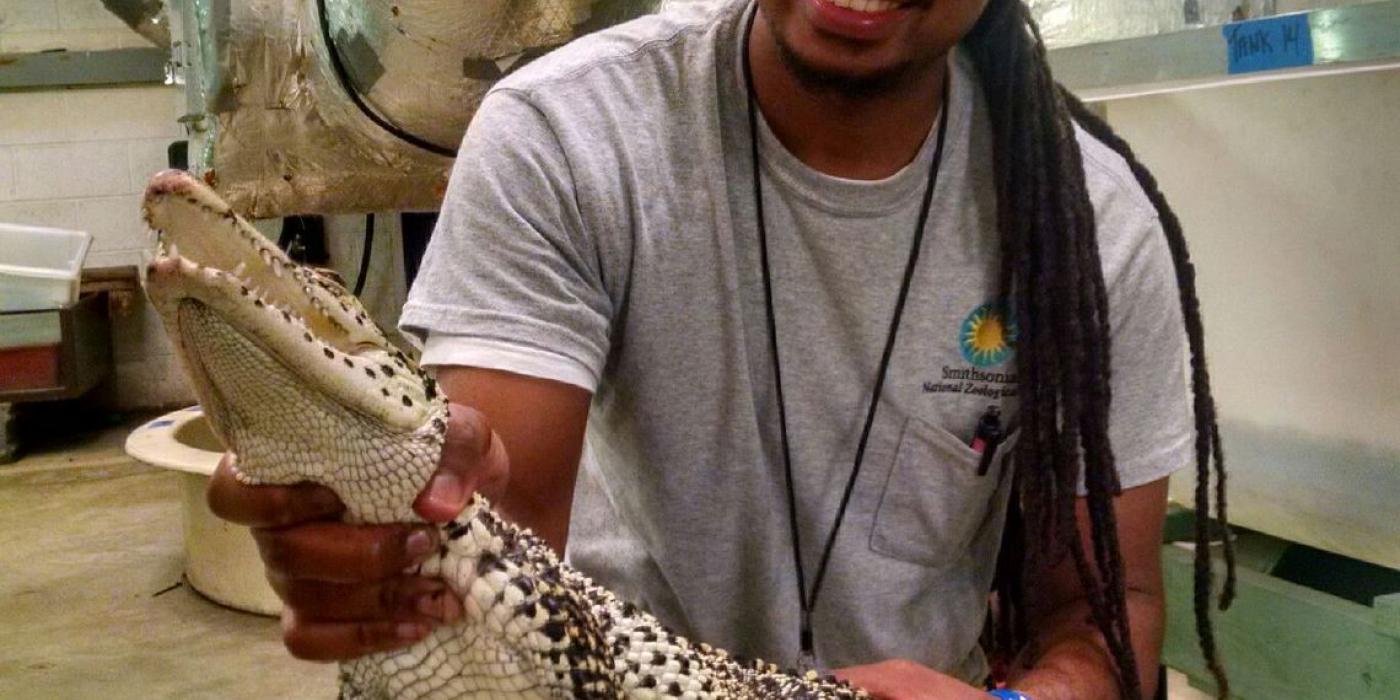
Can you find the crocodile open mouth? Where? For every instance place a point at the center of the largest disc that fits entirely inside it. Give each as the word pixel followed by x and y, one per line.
pixel 299 316
pixel 192 223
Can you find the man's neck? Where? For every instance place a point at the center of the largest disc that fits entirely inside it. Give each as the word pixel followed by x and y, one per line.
pixel 859 137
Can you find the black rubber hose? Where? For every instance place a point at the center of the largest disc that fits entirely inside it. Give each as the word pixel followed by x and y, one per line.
pixel 364 255
pixel 343 75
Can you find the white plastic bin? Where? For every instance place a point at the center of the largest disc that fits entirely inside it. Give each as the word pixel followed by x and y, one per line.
pixel 40 267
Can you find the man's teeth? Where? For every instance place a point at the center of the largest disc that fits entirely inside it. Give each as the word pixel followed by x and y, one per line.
pixel 866 5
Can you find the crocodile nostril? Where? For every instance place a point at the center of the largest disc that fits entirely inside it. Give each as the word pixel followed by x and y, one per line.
pixel 168 182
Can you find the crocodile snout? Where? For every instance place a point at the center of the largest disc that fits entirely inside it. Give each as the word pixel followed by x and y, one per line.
pixel 169 182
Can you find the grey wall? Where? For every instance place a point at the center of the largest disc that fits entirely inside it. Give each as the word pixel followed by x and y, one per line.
pixel 1289 195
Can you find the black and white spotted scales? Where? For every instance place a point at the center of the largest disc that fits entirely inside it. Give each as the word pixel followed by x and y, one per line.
pixel 303 387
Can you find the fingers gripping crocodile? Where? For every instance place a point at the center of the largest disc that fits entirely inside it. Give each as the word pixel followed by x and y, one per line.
pixel 302 386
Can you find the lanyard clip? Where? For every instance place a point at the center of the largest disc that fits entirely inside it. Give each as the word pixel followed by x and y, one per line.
pixel 806 655
pixel 987 438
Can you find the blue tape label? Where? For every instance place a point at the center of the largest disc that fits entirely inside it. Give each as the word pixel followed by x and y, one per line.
pixel 1269 44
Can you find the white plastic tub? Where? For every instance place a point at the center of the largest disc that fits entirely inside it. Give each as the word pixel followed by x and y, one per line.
pixel 40 267
pixel 221 559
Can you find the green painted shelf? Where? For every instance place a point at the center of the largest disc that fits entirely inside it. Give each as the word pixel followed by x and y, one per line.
pixel 1306 624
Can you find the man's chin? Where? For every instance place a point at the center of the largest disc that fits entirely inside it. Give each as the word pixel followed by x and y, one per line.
pixel 843 80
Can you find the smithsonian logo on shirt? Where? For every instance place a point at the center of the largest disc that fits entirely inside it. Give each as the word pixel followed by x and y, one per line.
pixel 987 337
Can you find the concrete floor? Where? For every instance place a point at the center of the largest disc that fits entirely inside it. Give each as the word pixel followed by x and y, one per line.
pixel 92 603
pixel 92 549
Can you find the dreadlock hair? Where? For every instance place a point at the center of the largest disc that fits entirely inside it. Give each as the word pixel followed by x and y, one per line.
pixel 1052 281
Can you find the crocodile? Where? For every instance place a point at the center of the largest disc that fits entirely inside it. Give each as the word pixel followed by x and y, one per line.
pixel 302 386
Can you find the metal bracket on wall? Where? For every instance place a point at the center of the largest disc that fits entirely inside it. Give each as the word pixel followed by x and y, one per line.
pixel 60 69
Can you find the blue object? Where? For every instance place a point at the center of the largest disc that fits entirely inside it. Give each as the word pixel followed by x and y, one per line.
pixel 1269 44
pixel 1005 694
pixel 159 423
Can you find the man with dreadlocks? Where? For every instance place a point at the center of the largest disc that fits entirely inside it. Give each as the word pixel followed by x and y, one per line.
pixel 847 293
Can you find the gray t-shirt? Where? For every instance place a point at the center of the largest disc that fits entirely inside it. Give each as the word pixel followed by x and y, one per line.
pixel 599 228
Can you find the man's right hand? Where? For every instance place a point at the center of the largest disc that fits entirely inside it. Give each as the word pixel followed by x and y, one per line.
pixel 343 586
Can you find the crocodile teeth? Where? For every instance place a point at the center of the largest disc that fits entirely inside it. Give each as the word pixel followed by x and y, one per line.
pixel 173 250
pixel 238 271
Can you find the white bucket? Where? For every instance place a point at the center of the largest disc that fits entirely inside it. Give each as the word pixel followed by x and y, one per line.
pixel 221 558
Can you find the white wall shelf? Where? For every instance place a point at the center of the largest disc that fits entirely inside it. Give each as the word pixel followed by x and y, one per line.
pixel 1338 40
pixel 58 69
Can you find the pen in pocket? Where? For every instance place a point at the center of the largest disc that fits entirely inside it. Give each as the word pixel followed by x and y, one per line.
pixel 987 438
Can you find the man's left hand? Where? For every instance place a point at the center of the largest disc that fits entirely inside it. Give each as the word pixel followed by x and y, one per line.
pixel 905 680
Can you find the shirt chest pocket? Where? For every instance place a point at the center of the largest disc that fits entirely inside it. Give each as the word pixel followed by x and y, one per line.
pixel 934 504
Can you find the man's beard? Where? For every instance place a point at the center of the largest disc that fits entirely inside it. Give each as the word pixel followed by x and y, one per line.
pixel 829 82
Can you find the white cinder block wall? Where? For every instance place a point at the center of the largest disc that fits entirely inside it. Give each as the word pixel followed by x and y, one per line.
pixel 79 159
pixel 42 25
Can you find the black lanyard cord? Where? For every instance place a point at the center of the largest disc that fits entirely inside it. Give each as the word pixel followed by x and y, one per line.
pixel 808 603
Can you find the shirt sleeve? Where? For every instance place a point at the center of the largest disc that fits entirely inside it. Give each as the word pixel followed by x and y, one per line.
pixel 1150 421
pixel 443 350
pixel 511 271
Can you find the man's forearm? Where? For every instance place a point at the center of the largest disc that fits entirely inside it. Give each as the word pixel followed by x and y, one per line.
pixel 539 424
pixel 547 518
pixel 1074 661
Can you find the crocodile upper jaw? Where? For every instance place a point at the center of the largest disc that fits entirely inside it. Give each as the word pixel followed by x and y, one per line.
pixel 210 257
